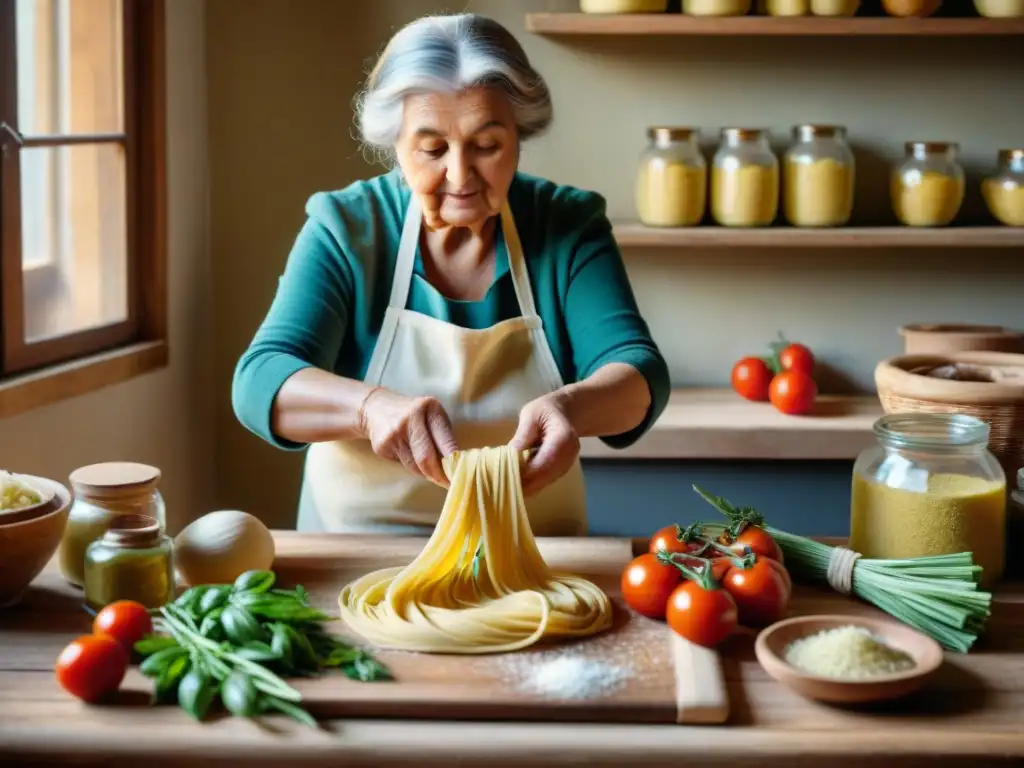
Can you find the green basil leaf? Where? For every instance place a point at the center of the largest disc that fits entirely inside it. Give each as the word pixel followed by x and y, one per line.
pixel 281 609
pixel 366 669
pixel 254 581
pixel 240 626
pixel 213 598
pixel 303 655
pixel 239 695
pixel 257 651
pixel 154 666
pixel 152 643
pixel 167 683
pixel 210 626
pixel 196 693
pixel 292 710
pixel 281 643
pixel 340 654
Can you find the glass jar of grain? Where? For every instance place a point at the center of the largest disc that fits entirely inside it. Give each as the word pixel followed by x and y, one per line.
pixel 928 186
pixel 744 179
pixel 717 7
pixel 1004 192
pixel 835 7
pixel 818 177
pixel 104 492
pixel 130 561
pixel 930 487
pixel 784 7
pixel 672 179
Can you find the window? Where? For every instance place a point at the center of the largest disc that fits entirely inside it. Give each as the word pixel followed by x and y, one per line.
pixel 82 238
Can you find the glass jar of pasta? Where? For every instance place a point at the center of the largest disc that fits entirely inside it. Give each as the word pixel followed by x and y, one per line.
pixel 1004 192
pixel 928 186
pixel 930 486
pixel 671 181
pixel 744 179
pixel 818 177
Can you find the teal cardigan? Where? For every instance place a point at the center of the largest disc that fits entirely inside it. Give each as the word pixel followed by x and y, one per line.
pixel 331 298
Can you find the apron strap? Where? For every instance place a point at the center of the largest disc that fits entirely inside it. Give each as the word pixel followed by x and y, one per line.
pixel 517 263
pixel 406 258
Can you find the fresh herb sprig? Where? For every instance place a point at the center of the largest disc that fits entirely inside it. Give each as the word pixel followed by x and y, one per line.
pixel 238 642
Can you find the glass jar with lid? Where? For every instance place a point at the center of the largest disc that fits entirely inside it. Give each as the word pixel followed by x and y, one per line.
pixel 835 7
pixel 1004 192
pixel 930 487
pixel 104 492
pixel 818 177
pixel 623 6
pixel 130 561
pixel 672 179
pixel 1000 9
pixel 717 7
pixel 744 179
pixel 784 7
pixel 928 186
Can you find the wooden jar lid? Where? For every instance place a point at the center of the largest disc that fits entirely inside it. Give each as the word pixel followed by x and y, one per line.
pixel 114 477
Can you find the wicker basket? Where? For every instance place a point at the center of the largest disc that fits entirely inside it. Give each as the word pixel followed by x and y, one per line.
pixel 999 401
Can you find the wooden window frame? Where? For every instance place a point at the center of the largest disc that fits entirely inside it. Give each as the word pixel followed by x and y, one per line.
pixel 48 371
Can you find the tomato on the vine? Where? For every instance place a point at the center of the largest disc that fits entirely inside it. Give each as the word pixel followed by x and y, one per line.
pixel 124 620
pixel 647 584
pixel 667 540
pixel 751 378
pixel 91 667
pixel 756 540
pixel 702 616
pixel 793 392
pixel 797 357
pixel 760 592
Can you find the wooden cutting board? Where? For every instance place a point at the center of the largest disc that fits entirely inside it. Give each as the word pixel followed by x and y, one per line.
pixel 649 674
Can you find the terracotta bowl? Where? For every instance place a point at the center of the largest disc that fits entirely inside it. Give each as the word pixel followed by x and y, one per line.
pixel 27 546
pixel 772 642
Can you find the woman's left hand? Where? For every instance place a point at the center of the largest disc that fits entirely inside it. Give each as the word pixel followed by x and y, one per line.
pixel 544 425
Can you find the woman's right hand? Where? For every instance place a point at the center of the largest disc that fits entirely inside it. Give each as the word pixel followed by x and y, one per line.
pixel 415 431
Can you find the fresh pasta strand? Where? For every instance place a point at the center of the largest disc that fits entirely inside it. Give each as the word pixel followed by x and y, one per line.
pixel 480 584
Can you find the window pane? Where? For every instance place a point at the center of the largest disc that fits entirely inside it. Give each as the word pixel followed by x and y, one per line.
pixel 74 238
pixel 70 66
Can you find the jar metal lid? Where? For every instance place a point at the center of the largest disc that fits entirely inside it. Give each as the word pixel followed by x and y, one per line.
pixel 744 134
pixel 1010 155
pixel 931 147
pixel 672 132
pixel 813 129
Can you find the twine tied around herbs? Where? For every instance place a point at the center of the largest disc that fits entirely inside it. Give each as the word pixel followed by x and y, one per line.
pixel 840 569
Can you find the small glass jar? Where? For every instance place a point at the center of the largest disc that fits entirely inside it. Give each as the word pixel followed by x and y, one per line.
pixel 104 492
pixel 672 179
pixel 785 7
pixel 1004 192
pixel 835 7
pixel 930 487
pixel 131 561
pixel 744 179
pixel 1015 529
pixel 1000 9
pixel 818 177
pixel 717 7
pixel 928 186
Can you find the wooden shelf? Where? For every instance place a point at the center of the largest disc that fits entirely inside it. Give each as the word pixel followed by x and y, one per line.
pixel 631 234
pixel 765 26
pixel 719 424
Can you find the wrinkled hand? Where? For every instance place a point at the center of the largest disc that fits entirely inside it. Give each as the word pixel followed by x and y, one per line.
pixel 543 425
pixel 415 431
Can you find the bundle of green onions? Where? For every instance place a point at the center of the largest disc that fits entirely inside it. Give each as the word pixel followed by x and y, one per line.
pixel 937 595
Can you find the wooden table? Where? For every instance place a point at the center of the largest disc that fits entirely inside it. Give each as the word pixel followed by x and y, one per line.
pixel 972 713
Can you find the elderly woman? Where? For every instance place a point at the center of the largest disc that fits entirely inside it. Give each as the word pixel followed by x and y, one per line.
pixel 451 303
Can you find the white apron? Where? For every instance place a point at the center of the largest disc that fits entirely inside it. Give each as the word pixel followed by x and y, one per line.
pixel 481 377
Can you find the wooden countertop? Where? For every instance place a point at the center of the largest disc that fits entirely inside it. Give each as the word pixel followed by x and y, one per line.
pixel 969 715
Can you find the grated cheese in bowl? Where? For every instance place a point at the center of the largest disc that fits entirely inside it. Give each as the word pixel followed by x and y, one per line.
pixel 15 494
pixel 850 652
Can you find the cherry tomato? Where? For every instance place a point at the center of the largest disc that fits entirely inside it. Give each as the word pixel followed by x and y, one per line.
pixel 666 540
pixel 760 593
pixel 793 392
pixel 797 357
pixel 758 541
pixel 703 616
pixel 91 667
pixel 786 578
pixel 751 378
pixel 647 584
pixel 125 620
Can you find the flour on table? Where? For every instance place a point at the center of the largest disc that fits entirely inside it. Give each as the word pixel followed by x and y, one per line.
pixel 564 673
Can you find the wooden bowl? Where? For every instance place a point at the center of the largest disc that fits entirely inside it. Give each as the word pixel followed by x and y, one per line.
pixel 950 338
pixel 772 642
pixel 26 547
pixel 47 503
